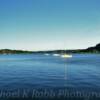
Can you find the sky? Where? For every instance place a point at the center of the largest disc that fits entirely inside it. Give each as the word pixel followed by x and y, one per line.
pixel 49 24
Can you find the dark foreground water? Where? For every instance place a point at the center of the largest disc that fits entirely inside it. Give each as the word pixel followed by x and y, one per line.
pixel 40 76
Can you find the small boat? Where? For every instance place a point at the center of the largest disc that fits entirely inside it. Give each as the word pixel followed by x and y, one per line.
pixel 46 54
pixel 56 55
pixel 66 56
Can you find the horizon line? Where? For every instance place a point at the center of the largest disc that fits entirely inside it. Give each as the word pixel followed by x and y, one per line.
pixel 46 49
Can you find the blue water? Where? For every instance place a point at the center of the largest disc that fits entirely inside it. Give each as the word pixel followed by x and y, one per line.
pixel 27 71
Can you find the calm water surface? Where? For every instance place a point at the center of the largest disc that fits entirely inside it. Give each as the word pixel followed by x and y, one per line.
pixel 27 71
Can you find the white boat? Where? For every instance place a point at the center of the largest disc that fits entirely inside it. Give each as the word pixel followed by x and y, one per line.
pixel 66 56
pixel 46 54
pixel 56 55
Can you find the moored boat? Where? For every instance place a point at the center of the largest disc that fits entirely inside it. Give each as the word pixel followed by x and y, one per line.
pixel 56 54
pixel 66 55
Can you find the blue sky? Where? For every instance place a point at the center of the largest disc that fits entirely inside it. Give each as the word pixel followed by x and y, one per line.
pixel 49 24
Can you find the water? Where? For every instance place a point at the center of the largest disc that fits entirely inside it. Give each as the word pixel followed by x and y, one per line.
pixel 31 71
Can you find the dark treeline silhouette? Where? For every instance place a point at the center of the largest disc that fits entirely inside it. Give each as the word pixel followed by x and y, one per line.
pixel 95 49
pixel 8 51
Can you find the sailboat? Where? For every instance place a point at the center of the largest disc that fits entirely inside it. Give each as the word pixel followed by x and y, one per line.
pixel 65 55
